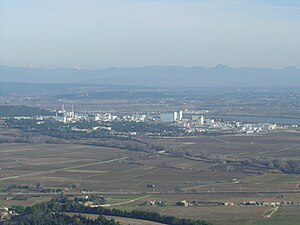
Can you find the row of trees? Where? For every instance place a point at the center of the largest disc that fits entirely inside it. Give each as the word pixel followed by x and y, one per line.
pixel 53 210
pixel 47 218
pixel 136 214
pixel 57 129
pixel 55 132
pixel 145 128
pixel 286 166
pixel 49 214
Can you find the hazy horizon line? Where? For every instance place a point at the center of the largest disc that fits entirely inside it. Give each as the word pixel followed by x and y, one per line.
pixel 76 67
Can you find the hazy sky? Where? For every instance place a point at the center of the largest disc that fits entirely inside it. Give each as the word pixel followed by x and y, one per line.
pixel 101 34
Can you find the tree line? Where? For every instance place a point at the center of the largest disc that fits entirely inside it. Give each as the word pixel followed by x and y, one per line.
pixel 24 111
pixel 47 218
pixel 44 213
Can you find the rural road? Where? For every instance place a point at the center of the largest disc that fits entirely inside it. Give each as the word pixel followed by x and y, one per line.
pixel 60 169
pixel 218 139
pixel 270 212
pixel 150 193
pixel 123 203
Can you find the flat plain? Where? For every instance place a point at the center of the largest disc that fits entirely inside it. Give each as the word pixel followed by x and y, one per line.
pixel 122 176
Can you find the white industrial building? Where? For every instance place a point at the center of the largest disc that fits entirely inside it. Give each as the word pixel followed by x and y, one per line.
pixel 170 117
pixel 65 116
pixel 198 119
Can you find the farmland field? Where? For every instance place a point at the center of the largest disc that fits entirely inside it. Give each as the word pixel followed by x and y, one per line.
pixel 122 176
pixel 275 145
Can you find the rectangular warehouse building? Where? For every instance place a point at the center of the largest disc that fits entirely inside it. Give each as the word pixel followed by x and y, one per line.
pixel 170 117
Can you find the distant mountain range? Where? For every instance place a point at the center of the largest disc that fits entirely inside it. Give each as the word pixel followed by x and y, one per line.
pixel 159 76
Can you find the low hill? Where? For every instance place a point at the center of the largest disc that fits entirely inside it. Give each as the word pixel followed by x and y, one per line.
pixel 159 76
